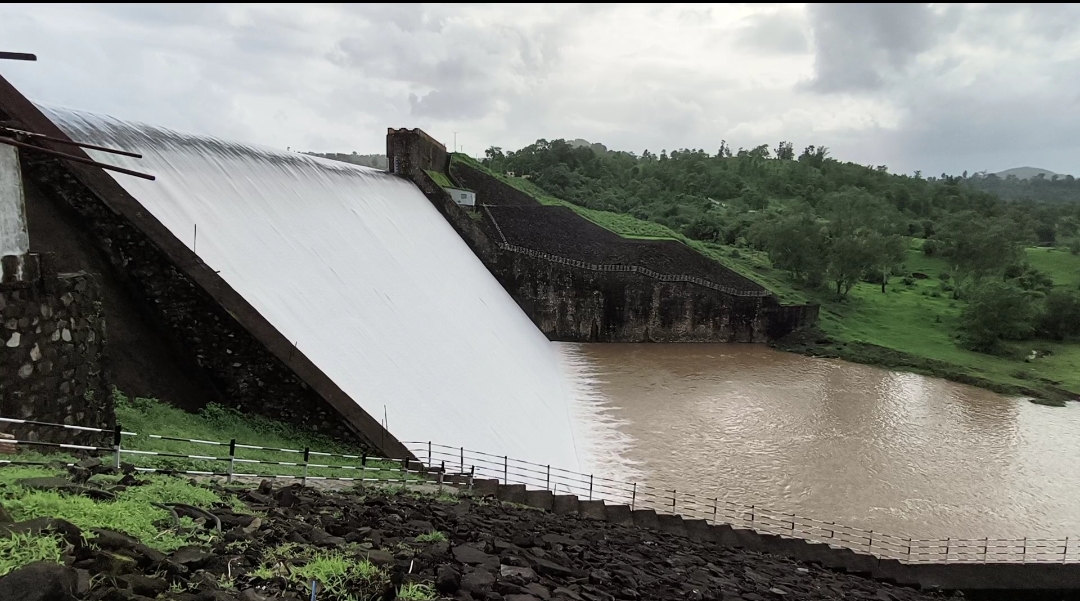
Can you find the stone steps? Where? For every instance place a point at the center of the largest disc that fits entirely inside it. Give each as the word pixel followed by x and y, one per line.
pixel 953 576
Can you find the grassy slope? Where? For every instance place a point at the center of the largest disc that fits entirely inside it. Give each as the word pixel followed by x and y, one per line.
pixel 910 320
pixel 217 424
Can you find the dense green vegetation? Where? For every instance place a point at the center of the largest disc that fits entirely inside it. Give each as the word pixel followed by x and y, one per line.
pixel 939 269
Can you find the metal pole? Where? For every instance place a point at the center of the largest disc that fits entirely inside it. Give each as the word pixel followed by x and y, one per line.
pixel 307 455
pixel 429 453
pixel 869 545
pixel 752 517
pixel 673 493
pixel 462 460
pixel 948 541
pixel 547 484
pixel 633 497
pixel 1023 557
pixel 1065 553
pixel 715 502
pixel 232 460
pixel 590 487
pixel 506 470
pixel 116 444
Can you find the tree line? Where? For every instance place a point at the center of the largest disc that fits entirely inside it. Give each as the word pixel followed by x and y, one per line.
pixel 831 224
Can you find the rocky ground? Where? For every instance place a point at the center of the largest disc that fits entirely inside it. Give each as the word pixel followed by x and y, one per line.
pixel 381 545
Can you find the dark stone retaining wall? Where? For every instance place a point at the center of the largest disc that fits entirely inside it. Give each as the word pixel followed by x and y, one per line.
pixel 968 577
pixel 52 331
pixel 576 304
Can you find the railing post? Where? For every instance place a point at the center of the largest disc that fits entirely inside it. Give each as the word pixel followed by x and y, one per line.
pixel 307 455
pixel 1065 553
pixel 429 453
pixel 948 542
pixel 506 470
pixel 1023 556
pixel 870 545
pixel 715 502
pixel 463 460
pixel 590 487
pixel 117 435
pixel 673 493
pixel 472 470
pixel 986 547
pixel 547 485
pixel 909 550
pixel 633 497
pixel 232 461
pixel 752 516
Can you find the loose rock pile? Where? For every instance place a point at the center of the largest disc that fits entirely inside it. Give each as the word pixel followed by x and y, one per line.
pixel 486 551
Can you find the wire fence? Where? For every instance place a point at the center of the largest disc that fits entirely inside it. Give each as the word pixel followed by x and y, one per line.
pixel 223 458
pixel 715 510
pixel 458 465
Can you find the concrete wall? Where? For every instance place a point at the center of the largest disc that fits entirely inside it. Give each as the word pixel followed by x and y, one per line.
pixel 579 305
pixel 51 367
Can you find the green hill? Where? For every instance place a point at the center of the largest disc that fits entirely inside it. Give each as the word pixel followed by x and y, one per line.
pixel 812 228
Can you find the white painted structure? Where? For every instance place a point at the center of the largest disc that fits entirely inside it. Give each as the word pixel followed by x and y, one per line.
pixel 13 237
pixel 373 283
pixel 462 197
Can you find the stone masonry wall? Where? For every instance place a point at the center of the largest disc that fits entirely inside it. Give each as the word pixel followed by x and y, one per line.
pixel 246 375
pixel 53 337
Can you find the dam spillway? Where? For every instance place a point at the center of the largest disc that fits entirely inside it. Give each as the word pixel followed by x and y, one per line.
pixel 365 276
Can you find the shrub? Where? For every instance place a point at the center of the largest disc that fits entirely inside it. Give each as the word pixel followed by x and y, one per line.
pixel 931 248
pixel 996 311
pixel 908 280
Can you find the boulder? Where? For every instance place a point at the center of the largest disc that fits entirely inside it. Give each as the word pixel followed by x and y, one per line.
pixel 40 581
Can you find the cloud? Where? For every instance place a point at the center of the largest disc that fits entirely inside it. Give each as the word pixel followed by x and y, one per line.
pixel 929 87
pixel 859 46
pixel 774 33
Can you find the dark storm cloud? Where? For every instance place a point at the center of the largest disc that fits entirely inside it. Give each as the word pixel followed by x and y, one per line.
pixel 858 46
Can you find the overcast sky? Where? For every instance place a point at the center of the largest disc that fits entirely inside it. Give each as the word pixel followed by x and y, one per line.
pixel 935 88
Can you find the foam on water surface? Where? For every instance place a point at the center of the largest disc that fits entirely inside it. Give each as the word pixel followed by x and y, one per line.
pixel 372 283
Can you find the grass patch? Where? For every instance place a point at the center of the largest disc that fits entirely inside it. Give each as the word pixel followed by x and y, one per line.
pixel 132 512
pixel 432 537
pixel 414 591
pixel 19 550
pixel 341 575
pixel 440 178
pixel 220 424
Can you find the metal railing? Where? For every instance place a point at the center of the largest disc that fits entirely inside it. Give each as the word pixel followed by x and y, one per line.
pixel 715 510
pixel 309 463
pixel 663 277
pixel 443 463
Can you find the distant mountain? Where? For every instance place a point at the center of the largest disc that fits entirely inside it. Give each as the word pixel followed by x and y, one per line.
pixel 377 161
pixel 1026 173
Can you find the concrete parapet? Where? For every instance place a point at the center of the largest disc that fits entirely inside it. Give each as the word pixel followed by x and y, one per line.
pixel 671 524
pixel 564 504
pixel 485 488
pixel 645 518
pixel 511 493
pixel 593 509
pixel 620 514
pixel 698 530
pixel 540 499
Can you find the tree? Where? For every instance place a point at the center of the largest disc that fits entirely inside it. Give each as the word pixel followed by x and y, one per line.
pixel 795 244
pixel 996 311
pixel 888 251
pixel 1061 315
pixel 785 151
pixel 976 247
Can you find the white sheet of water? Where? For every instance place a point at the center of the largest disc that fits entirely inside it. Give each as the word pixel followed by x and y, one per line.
pixel 372 283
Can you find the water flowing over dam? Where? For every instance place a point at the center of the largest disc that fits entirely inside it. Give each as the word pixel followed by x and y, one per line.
pixel 360 270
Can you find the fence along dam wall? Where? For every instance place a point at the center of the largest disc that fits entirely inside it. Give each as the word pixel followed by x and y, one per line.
pixel 347 268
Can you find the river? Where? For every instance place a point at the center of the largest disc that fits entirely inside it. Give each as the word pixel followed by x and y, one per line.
pixel 895 452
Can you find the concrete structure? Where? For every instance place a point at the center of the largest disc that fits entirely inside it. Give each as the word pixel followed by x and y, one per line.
pixel 573 300
pixel 465 198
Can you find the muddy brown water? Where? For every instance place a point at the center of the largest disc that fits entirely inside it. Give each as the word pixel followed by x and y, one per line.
pixel 895 452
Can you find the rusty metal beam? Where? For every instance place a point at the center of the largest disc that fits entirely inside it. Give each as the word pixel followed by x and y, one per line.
pixel 18 56
pixel 68 157
pixel 30 134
